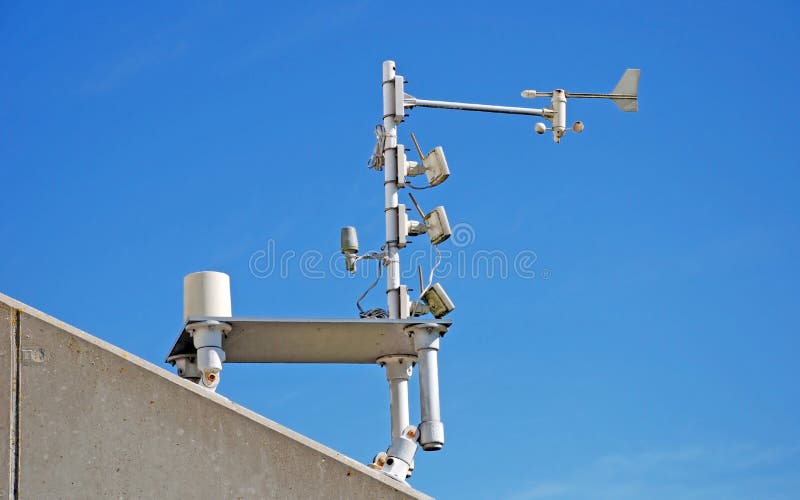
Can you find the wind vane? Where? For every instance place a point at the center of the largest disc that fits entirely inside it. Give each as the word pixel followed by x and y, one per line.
pixel 624 95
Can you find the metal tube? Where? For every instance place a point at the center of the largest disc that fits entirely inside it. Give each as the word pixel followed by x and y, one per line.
pixel 426 343
pixel 390 191
pixel 429 386
pixel 398 405
pixel 573 95
pixel 487 108
pixel 398 371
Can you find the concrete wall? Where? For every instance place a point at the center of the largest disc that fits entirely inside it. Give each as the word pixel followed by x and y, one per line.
pixel 8 370
pixel 95 421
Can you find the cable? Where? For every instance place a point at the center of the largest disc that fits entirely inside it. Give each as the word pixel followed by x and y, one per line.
pixel 435 265
pixel 408 183
pixel 375 312
pixel 376 161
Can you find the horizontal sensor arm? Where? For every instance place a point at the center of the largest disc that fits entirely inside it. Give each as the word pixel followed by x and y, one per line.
pixel 410 102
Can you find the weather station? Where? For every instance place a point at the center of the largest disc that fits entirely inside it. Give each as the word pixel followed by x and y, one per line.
pixel 409 332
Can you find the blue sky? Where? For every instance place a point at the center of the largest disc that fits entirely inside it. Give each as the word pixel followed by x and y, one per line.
pixel 649 350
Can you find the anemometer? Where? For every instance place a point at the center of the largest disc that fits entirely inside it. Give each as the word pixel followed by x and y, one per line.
pixel 624 95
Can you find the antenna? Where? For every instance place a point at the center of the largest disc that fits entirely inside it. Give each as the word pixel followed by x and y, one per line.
pixel 416 145
pixel 416 205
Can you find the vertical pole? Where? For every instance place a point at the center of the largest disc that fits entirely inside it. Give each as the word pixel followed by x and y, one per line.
pixel 396 373
pixel 390 190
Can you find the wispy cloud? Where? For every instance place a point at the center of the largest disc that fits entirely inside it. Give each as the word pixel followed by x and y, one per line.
pixel 306 27
pixel 689 472
pixel 112 74
pixel 543 490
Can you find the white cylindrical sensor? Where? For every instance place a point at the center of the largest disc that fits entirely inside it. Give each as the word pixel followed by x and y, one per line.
pixel 349 240
pixel 206 293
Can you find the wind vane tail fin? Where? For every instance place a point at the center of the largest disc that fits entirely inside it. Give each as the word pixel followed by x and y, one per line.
pixel 628 89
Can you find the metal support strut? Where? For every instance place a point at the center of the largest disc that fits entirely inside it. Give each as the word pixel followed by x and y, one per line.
pixel 398 371
pixel 426 342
